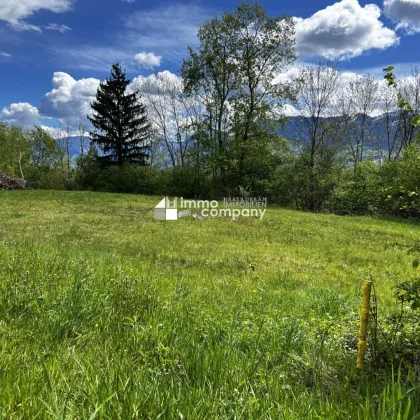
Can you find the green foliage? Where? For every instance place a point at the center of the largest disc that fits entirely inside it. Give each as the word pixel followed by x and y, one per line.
pixel 45 149
pixel 416 121
pixel 32 155
pixel 45 161
pixel 390 188
pixel 389 75
pixel 403 103
pixel 358 191
pixel 14 150
pixel 88 170
pixel 120 120
pixel 409 292
pixel 134 179
pixel 232 74
pixel 296 183
pixel 126 179
pixel 401 184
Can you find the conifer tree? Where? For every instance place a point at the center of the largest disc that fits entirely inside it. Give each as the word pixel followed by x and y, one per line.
pixel 120 121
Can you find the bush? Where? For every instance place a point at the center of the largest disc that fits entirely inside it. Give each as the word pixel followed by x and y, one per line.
pixel 401 180
pixel 126 179
pixel 357 191
pixel 391 188
pixel 45 178
pixel 296 183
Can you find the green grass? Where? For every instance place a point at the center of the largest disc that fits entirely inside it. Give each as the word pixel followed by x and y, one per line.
pixel 106 313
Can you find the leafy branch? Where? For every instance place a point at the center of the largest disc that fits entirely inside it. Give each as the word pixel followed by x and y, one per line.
pixel 402 102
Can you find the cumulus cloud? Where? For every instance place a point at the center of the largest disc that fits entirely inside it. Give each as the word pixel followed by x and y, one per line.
pixel 289 75
pixel 161 82
pixel 348 77
pixel 57 27
pixel 405 12
pixel 21 113
pixel 342 31
pixel 292 74
pixel 168 109
pixel 16 11
pixel 69 97
pixel 148 60
pixel 289 111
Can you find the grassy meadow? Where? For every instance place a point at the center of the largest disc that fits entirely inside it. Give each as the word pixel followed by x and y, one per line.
pixel 106 313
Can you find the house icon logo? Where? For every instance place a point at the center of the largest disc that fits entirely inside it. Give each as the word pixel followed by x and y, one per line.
pixel 166 209
pixel 199 209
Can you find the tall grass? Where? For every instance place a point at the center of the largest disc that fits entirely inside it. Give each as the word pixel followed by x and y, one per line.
pixel 105 313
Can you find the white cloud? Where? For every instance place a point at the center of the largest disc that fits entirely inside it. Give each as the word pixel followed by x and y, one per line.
pixel 401 70
pixel 16 11
pixel 69 98
pixel 405 12
pixel 60 130
pixel 57 27
pixel 162 84
pixel 404 72
pixel 343 30
pixel 348 77
pixel 5 54
pixel 289 111
pixel 168 109
pixel 97 59
pixel 20 113
pixel 148 60
pixel 167 31
pixel 23 26
pixel 289 75
pixel 293 73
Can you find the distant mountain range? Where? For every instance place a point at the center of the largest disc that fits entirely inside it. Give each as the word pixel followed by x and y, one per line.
pixel 378 125
pixel 377 128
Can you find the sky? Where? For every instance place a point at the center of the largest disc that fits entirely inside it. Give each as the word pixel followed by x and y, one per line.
pixel 54 53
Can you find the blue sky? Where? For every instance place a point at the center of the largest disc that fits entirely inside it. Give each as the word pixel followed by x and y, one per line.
pixel 54 52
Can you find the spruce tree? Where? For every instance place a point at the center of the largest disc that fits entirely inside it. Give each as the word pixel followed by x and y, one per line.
pixel 120 121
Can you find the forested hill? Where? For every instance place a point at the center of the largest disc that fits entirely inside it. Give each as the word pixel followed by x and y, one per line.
pixel 378 130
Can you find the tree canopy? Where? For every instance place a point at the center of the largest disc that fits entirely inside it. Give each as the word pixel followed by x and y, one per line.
pixel 120 121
